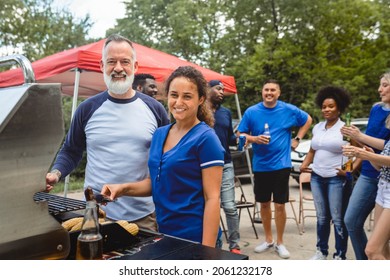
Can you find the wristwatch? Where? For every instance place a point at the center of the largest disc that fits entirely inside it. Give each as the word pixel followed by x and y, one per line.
pixel 57 172
pixel 297 138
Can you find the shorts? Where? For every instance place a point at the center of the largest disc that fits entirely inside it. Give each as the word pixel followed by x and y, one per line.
pixel 272 185
pixel 383 194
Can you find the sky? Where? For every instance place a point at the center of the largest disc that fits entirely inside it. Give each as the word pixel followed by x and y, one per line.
pixel 103 13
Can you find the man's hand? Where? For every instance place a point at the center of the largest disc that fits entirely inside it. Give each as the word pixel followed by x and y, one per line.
pixel 52 178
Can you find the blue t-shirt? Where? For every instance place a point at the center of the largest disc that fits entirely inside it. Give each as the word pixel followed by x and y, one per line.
pixel 116 134
pixel 376 128
pixel 176 175
pixel 281 119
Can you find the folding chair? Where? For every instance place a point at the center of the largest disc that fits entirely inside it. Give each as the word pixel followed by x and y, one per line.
pixel 291 201
pixel 304 197
pixel 224 230
pixel 294 217
pixel 243 203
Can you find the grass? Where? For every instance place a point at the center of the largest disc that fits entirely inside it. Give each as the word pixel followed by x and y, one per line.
pixel 75 185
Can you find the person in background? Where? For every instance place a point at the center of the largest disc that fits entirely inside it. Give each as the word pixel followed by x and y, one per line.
pixel 362 200
pixel 146 84
pixel 115 128
pixel 328 179
pixel 272 159
pixel 186 162
pixel 378 246
pixel 224 130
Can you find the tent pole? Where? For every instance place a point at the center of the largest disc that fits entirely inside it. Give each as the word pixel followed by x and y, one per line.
pixel 238 106
pixel 74 106
pixel 248 158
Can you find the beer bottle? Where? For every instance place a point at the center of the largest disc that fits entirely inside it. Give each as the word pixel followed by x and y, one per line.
pixel 90 241
pixel 266 132
pixel 347 123
pixel 347 166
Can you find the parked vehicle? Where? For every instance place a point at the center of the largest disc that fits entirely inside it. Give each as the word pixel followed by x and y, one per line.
pixel 303 148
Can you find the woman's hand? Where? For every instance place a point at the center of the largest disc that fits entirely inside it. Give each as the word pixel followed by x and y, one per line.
pixel 351 131
pixel 305 169
pixel 353 151
pixel 113 191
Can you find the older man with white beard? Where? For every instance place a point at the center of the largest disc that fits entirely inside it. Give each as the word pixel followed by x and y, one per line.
pixel 115 128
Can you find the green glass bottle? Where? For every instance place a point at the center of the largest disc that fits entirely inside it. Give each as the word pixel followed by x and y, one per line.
pixel 347 123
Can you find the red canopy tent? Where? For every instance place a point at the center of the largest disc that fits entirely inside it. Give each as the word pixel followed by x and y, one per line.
pixel 60 68
pixel 78 70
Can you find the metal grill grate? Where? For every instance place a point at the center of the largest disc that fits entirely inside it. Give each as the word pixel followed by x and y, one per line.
pixel 58 204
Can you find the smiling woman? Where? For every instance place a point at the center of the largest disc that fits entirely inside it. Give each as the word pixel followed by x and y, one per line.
pixel 185 163
pixel 298 156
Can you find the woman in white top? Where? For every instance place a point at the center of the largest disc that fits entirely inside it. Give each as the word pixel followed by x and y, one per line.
pixel 328 180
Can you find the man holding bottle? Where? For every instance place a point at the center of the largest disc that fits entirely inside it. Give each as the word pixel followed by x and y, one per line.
pixel 271 157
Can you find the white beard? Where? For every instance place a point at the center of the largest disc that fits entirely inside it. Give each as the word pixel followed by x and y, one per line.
pixel 118 87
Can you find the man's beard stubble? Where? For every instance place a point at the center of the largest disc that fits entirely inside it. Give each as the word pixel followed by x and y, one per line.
pixel 118 87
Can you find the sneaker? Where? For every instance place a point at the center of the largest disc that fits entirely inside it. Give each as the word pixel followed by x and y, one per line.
pixel 338 258
pixel 263 247
pixel 282 251
pixel 236 251
pixel 318 256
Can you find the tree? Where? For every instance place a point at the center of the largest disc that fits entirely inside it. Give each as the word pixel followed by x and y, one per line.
pixel 190 29
pixel 35 29
pixel 309 44
pixel 305 44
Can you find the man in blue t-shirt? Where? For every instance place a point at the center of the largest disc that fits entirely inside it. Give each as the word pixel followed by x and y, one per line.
pixel 224 130
pixel 271 157
pixel 115 128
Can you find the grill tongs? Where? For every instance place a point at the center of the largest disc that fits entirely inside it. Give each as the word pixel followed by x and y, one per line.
pixel 99 198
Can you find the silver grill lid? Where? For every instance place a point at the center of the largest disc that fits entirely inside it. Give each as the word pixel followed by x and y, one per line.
pixel 31 131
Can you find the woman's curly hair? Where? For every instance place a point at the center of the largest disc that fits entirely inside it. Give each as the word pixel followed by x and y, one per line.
pixel 340 95
pixel 195 76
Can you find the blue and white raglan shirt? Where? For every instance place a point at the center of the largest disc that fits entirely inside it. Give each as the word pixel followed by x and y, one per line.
pixel 116 134
pixel 281 119
pixel 176 176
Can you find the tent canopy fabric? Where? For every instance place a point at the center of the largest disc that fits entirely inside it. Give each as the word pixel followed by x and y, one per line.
pixel 60 68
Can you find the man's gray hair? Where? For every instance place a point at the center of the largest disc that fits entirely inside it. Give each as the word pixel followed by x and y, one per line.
pixel 118 38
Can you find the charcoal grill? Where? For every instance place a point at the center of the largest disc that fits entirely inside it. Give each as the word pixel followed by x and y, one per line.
pixel 59 205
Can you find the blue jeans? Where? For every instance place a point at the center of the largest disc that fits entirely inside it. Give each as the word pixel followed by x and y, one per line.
pixel 328 195
pixel 228 205
pixel 361 203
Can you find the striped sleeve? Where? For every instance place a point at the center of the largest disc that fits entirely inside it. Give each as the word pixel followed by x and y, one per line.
pixel 211 152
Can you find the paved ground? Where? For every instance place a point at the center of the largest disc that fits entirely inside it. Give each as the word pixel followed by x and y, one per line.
pixel 301 246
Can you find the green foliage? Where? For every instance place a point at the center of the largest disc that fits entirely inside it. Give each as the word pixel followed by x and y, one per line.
pixel 35 29
pixel 305 44
pixel 75 184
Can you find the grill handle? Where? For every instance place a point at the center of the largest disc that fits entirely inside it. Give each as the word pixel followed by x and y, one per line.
pixel 24 63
